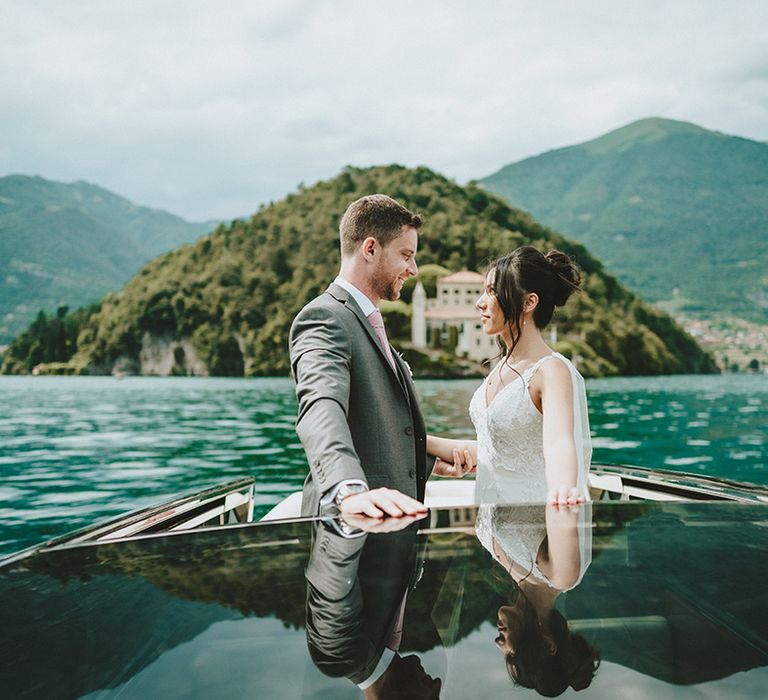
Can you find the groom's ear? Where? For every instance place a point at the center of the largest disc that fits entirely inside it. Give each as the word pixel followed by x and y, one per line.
pixel 369 246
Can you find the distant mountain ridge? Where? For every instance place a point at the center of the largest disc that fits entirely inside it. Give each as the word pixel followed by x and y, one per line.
pixel 70 243
pixel 224 305
pixel 679 213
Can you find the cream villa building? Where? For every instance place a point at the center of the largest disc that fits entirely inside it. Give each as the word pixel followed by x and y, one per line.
pixel 452 317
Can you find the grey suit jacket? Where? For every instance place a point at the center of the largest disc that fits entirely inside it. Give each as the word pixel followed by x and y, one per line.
pixel 355 588
pixel 358 418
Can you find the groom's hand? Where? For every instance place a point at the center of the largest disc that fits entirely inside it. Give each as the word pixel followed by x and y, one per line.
pixel 377 526
pixel 379 503
pixel 463 463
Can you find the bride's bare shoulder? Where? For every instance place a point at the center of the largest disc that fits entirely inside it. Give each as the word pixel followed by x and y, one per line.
pixel 554 373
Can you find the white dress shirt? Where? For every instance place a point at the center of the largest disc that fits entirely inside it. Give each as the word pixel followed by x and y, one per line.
pixel 367 306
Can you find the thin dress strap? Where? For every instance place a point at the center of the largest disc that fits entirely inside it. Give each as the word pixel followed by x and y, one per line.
pixel 527 374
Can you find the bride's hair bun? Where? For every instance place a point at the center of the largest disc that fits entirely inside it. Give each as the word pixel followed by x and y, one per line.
pixel 553 277
pixel 568 277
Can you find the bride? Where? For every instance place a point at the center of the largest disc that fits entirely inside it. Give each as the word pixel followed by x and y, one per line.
pixel 530 413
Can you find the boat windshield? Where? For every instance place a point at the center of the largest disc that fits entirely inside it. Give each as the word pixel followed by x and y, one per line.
pixel 616 598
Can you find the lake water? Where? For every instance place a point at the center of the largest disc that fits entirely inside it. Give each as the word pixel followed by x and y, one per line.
pixel 75 450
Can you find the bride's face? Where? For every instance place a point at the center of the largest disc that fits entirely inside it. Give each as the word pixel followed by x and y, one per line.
pixel 491 315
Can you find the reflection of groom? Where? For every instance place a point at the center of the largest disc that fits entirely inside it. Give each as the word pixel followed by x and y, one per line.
pixel 359 419
pixel 356 596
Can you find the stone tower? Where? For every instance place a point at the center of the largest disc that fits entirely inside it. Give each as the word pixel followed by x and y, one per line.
pixel 418 317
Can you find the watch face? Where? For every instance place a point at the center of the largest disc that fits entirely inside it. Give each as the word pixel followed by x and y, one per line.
pixel 341 494
pixel 348 490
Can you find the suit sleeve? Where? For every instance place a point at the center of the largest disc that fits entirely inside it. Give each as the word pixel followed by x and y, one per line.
pixel 335 625
pixel 320 362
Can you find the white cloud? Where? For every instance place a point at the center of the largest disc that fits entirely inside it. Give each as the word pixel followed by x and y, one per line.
pixel 208 109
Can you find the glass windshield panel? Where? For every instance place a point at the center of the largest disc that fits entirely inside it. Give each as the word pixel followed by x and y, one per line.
pixel 652 599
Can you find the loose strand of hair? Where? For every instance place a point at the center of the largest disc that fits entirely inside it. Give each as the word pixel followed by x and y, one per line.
pixel 504 354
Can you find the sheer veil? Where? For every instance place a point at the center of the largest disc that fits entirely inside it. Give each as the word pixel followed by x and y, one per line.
pixel 581 436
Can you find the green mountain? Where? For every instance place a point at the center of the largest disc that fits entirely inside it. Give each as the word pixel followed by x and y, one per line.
pixel 68 244
pixel 678 213
pixel 224 304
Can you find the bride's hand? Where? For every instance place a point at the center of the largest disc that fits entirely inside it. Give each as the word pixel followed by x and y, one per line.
pixel 565 496
pixel 463 463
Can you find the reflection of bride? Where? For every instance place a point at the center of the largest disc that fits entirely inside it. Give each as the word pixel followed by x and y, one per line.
pixel 545 550
pixel 530 413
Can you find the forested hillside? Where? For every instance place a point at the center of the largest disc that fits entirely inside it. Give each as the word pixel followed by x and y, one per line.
pixel 224 305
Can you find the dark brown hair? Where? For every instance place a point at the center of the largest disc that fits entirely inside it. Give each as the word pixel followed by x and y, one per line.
pixel 374 215
pixel 572 661
pixel 553 277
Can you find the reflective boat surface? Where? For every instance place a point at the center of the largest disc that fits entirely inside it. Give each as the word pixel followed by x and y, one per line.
pixel 617 599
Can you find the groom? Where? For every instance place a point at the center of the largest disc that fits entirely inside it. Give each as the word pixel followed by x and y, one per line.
pixel 359 420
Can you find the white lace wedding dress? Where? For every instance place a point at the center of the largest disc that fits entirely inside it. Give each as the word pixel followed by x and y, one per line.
pixel 510 452
pixel 519 532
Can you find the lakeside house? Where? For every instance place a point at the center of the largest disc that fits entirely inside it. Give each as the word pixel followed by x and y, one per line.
pixel 450 320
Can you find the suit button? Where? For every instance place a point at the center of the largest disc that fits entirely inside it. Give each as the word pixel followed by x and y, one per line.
pixel 409 430
pixel 412 473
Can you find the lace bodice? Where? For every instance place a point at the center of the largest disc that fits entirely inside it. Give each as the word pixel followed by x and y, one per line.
pixel 510 451
pixel 519 532
pixel 520 536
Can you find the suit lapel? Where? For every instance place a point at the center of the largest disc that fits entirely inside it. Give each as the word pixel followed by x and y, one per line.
pixel 341 295
pixel 406 381
pixel 404 375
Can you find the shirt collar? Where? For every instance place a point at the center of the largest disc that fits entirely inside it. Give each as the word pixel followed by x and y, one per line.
pixel 365 304
pixel 378 672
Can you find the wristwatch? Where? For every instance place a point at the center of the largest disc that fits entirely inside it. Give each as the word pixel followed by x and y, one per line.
pixel 348 490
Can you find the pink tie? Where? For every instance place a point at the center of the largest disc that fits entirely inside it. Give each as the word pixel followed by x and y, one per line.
pixel 396 635
pixel 377 322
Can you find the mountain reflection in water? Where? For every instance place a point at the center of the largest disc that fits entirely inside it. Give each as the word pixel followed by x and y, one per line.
pixel 75 450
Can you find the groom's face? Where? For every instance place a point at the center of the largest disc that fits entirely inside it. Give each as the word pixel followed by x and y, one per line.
pixel 395 263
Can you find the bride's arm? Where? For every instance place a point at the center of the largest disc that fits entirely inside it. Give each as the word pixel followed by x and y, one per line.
pixel 443 448
pixel 559 447
pixel 561 561
pixel 454 457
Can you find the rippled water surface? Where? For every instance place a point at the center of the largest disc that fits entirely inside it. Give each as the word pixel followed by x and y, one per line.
pixel 74 450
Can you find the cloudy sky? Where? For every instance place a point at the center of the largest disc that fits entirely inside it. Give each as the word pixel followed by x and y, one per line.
pixel 208 109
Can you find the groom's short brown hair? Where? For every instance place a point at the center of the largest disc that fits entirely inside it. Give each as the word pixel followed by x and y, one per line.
pixel 374 215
